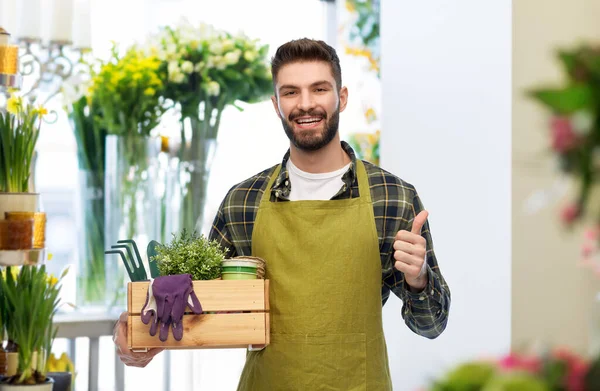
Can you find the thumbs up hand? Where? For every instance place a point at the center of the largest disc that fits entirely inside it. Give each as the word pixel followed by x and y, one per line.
pixel 410 249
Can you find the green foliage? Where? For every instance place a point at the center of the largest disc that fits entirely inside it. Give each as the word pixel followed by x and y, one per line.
pixel 519 381
pixel 126 90
pixel 470 376
pixel 31 296
pixel 191 254
pixel 19 132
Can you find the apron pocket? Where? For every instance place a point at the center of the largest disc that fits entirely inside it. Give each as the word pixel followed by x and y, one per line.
pixel 318 362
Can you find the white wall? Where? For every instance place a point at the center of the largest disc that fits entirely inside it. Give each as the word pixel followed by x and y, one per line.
pixel 447 130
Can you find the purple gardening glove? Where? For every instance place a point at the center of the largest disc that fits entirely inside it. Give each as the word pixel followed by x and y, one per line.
pixel 167 299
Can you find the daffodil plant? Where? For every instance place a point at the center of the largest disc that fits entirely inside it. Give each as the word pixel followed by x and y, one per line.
pixel 20 126
pixel 31 296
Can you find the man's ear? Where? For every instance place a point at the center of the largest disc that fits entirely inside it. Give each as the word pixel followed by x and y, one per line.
pixel 276 105
pixel 343 98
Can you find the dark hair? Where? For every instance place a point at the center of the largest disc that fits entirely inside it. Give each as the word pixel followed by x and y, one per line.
pixel 306 50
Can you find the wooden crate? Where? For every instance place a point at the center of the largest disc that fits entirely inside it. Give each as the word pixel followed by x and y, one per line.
pixel 248 326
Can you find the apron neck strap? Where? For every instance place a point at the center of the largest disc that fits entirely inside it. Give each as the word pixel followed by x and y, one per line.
pixel 361 173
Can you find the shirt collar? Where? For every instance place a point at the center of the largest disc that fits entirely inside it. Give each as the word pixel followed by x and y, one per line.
pixel 282 185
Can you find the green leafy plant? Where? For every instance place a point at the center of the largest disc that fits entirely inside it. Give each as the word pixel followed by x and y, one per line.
pixel 190 253
pixel 19 131
pixel 32 298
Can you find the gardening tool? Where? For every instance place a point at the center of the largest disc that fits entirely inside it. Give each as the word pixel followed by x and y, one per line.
pixel 135 266
pixel 132 274
pixel 151 252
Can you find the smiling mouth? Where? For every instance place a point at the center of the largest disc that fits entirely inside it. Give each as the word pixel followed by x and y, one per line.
pixel 308 122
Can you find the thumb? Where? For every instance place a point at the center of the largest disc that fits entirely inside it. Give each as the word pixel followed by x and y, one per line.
pixel 418 222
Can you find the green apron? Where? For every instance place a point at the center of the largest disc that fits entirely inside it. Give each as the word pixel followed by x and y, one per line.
pixel 325 296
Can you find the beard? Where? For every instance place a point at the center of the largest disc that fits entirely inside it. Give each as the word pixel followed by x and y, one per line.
pixel 312 139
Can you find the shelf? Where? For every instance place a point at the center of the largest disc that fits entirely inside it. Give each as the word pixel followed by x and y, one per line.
pixel 22 257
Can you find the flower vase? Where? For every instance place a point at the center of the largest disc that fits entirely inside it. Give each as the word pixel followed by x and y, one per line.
pixel 132 202
pixel 92 273
pixel 192 178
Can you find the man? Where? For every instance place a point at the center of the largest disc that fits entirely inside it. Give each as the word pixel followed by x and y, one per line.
pixel 338 234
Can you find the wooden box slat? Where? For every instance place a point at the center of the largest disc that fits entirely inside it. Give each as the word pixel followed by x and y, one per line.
pixel 214 330
pixel 214 295
pixel 211 330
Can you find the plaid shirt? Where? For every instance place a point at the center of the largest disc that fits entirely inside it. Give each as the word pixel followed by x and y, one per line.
pixel 395 204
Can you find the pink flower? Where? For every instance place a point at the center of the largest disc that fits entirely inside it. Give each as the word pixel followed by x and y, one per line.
pixel 591 234
pixel 563 136
pixel 577 368
pixel 516 362
pixel 570 213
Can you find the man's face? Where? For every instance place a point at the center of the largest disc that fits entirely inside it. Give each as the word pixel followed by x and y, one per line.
pixel 308 103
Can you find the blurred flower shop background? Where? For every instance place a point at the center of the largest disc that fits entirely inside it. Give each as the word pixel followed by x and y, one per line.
pixel 149 105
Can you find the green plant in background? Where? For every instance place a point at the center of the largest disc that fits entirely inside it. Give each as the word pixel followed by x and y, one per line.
pixel 206 70
pixel 190 253
pixel 365 31
pixel 574 110
pixel 366 145
pixel 516 382
pixel 90 137
pixel 471 376
pixel 127 92
pixel 555 370
pixel 32 299
pixel 19 131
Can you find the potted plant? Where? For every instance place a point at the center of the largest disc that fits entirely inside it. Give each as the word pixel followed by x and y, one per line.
pixel 32 299
pixel 190 253
pixel 20 126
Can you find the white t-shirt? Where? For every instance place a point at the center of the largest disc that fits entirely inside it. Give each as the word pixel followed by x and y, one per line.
pixel 318 187
pixel 313 187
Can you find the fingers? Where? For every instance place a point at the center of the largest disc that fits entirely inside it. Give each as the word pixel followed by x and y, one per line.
pixel 128 357
pixel 194 303
pixel 409 248
pixel 407 269
pixel 419 221
pixel 409 259
pixel 410 237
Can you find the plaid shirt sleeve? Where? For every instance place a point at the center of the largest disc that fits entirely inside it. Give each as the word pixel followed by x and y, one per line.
pixel 220 232
pixel 426 312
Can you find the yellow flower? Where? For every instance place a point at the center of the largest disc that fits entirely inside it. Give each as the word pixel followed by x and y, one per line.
pixel 149 91
pixel 14 104
pixel 51 280
pixel 350 7
pixel 164 143
pixel 50 256
pixel 15 272
pixel 41 111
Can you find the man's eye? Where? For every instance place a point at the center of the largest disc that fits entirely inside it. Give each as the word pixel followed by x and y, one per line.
pixel 288 93
pixel 321 89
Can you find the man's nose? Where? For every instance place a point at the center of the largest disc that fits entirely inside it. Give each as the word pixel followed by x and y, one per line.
pixel 306 102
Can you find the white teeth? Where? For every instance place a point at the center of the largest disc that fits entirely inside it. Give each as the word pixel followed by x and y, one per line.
pixel 308 120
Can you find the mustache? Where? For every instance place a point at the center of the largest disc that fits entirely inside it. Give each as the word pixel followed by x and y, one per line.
pixel 310 113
